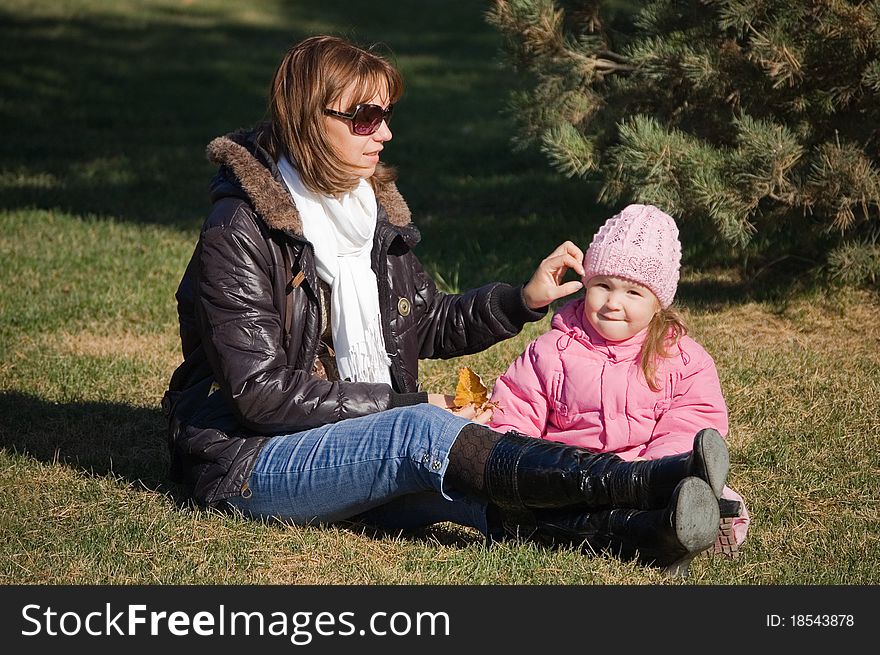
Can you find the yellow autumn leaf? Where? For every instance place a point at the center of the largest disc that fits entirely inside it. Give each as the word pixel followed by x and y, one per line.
pixel 470 389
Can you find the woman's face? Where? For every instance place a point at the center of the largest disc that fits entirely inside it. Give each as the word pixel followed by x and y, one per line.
pixel 360 152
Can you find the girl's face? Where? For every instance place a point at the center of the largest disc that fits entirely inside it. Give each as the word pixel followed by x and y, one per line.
pixel 359 152
pixel 617 308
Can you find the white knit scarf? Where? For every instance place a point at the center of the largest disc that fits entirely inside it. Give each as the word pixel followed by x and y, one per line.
pixel 341 230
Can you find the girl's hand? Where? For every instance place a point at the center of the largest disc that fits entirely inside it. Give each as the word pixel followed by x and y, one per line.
pixel 546 284
pixel 473 413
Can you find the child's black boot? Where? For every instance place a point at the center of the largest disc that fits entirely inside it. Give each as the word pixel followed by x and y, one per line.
pixel 535 473
pixel 668 538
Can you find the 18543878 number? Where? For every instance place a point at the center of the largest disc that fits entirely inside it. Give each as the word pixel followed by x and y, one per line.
pixel 822 620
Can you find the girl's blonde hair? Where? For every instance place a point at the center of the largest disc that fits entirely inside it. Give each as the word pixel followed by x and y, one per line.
pixel 314 74
pixel 665 330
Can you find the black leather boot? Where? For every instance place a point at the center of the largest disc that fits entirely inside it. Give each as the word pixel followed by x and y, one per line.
pixel 523 472
pixel 668 538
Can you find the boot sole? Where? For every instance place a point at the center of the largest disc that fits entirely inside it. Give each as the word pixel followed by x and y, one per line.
pixel 695 519
pixel 726 544
pixel 711 450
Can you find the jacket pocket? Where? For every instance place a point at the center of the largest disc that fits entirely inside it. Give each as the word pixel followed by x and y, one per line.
pixel 556 395
pixel 642 402
pixel 561 415
pixel 665 402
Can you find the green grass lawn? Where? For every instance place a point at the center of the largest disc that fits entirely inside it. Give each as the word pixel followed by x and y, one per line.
pixel 103 185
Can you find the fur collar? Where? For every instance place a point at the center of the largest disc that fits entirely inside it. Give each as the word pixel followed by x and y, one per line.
pixel 270 197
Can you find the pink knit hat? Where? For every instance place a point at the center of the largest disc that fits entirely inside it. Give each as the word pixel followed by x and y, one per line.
pixel 639 244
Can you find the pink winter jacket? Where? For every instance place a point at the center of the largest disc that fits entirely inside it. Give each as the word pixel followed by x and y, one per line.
pixel 572 386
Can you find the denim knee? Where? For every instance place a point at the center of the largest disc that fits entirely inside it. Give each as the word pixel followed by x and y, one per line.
pixel 429 433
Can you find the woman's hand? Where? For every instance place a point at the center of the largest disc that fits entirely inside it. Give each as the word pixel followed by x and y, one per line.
pixel 442 401
pixel 469 412
pixel 546 284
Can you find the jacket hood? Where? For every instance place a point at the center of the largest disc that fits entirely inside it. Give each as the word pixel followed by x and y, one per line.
pixel 569 319
pixel 259 178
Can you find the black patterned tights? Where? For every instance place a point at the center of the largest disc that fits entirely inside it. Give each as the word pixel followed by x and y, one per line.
pixel 467 459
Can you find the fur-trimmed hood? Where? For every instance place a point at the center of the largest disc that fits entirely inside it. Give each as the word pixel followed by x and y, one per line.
pixel 259 178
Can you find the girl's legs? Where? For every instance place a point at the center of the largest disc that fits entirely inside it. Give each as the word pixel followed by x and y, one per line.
pixel 338 471
pixel 518 472
pixel 662 511
pixel 668 538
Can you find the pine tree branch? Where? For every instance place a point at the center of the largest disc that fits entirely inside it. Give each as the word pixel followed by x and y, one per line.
pixel 613 56
pixel 606 66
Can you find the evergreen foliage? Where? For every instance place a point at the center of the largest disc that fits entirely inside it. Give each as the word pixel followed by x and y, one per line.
pixel 755 122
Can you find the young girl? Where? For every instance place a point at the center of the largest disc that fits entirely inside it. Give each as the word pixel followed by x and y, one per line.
pixel 616 373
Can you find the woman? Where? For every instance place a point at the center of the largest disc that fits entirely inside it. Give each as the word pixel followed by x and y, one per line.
pixel 304 312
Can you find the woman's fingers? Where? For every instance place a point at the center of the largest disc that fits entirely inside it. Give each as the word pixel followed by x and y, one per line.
pixel 564 261
pixel 568 288
pixel 570 249
pixel 441 400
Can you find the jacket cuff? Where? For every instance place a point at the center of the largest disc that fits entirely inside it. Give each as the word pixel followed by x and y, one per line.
pixel 406 399
pixel 509 300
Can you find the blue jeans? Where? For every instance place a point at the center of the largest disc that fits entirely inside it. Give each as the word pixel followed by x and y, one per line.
pixel 385 469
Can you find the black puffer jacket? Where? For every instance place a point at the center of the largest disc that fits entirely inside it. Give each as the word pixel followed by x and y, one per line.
pixel 250 320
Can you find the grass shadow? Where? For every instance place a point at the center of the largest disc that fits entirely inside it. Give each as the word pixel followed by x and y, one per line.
pixel 100 439
pixel 129 443
pixel 111 114
pixel 778 287
pixel 443 534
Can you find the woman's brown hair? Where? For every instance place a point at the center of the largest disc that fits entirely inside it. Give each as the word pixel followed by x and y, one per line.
pixel 314 74
pixel 664 332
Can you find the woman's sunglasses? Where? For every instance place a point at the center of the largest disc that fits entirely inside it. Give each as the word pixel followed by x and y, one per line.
pixel 365 119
